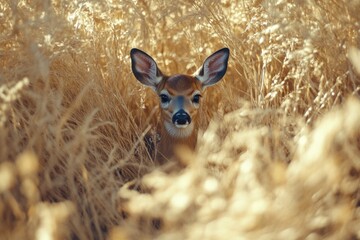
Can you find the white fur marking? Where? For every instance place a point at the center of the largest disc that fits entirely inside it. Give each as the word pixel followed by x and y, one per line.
pixel 164 91
pixel 196 92
pixel 182 125
pixel 179 132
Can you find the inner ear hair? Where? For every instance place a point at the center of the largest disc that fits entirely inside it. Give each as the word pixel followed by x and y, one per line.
pixel 213 68
pixel 145 68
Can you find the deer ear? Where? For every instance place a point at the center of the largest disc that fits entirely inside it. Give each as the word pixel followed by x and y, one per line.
pixel 214 68
pixel 145 68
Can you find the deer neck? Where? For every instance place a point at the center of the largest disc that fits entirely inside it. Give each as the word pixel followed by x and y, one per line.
pixel 172 137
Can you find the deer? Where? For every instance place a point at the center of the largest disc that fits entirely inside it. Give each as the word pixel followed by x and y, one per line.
pixel 179 98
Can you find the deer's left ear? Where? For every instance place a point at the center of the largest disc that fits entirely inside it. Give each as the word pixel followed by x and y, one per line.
pixel 214 68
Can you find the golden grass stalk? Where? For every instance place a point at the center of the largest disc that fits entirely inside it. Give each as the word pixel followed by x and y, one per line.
pixel 278 157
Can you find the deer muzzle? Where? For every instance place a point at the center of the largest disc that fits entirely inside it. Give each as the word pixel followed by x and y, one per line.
pixel 181 119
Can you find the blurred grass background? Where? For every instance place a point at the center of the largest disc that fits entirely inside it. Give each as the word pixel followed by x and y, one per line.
pixel 279 152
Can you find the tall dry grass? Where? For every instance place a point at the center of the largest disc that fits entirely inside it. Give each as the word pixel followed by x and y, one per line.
pixel 279 150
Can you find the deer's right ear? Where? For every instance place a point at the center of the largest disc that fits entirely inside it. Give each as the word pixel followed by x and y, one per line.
pixel 145 68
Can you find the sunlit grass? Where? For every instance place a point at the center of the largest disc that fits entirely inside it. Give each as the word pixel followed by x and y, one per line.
pixel 279 148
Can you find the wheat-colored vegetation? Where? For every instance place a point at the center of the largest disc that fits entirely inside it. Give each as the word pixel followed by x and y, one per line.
pixel 278 155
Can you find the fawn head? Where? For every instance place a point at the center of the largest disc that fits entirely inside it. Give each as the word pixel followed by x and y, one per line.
pixel 179 94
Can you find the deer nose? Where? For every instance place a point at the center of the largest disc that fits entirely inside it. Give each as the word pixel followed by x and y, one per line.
pixel 181 119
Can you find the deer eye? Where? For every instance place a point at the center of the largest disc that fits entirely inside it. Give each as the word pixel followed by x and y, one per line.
pixel 164 98
pixel 196 98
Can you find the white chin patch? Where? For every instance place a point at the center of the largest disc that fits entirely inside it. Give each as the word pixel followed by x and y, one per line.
pixel 182 125
pixel 179 130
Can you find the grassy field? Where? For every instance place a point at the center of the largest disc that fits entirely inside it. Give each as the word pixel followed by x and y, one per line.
pixel 278 154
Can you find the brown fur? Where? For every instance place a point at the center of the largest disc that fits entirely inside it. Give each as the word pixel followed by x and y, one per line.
pixel 180 98
pixel 177 85
pixel 168 145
